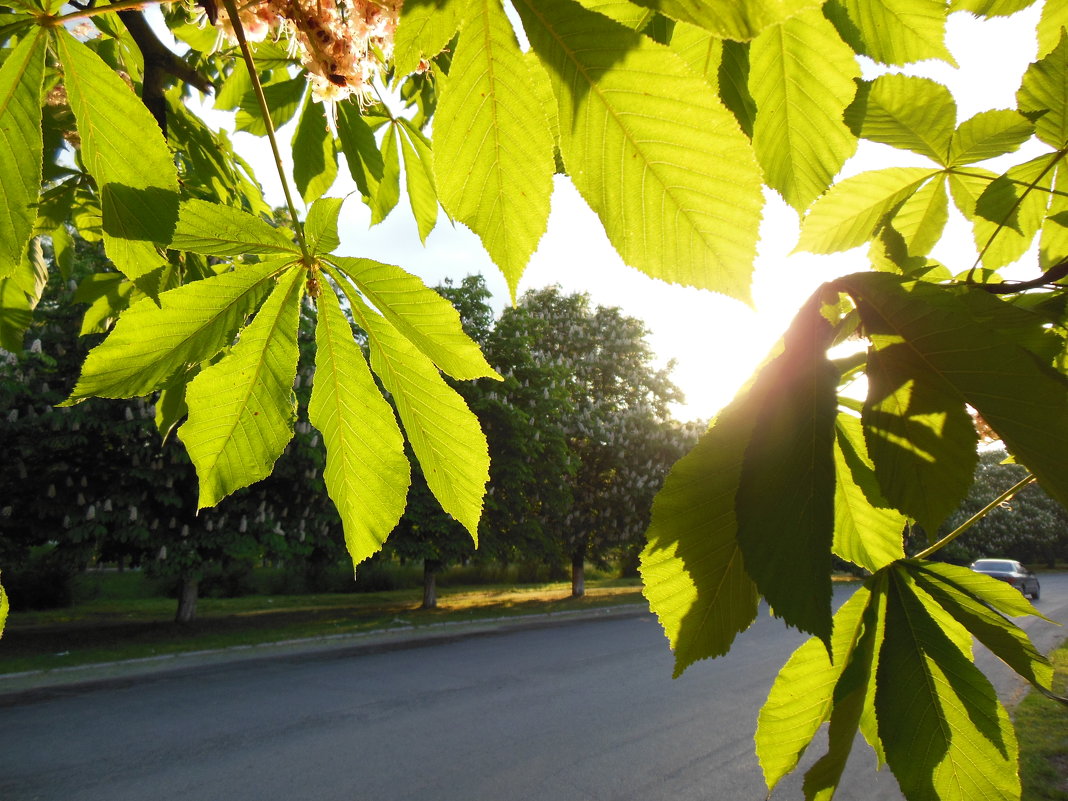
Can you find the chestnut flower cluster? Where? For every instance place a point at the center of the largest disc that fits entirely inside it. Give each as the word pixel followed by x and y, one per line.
pixel 342 44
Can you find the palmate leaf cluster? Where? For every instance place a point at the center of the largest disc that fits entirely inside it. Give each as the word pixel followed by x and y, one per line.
pixel 93 482
pixel 671 118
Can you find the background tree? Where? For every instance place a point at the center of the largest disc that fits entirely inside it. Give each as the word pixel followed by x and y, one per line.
pixel 617 404
pixel 528 454
pixel 1032 527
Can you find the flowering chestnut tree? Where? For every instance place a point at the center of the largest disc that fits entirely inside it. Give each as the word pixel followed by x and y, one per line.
pixel 672 118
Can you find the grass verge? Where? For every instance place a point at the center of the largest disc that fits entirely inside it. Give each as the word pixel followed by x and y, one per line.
pixel 1042 729
pixel 108 630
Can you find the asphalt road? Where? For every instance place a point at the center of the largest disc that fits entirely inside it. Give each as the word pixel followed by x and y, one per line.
pixel 566 712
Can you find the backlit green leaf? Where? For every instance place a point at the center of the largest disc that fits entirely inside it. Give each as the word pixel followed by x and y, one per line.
pixel 420 314
pixel 387 193
pixel 1050 27
pixel 990 8
pixel 151 343
pixel 1044 91
pixel 999 595
pixel 419 178
pixel 947 737
pixel 1000 244
pixel 1053 246
pixel 962 346
pixel 1007 641
pixel 854 209
pixel 800 700
pixel 734 85
pixel 893 31
pixel 216 230
pixel 622 11
pixel 366 472
pixel 21 146
pixel 651 149
pixel 283 100
pixel 801 77
pixel 1015 318
pixel 124 150
pixel 854 697
pixel 171 407
pixel 108 294
pixel 4 607
pixel 1011 210
pixel 31 276
pixel 906 112
pixel 702 51
pixel 314 154
pixel 493 151
pixel 63 250
pixel 888 253
pixel 922 218
pixel 442 430
pixel 272 55
pixel 16 314
pixel 729 19
pixel 692 570
pixel 361 151
pixel 790 457
pixel 987 135
pixel 423 30
pixel 233 90
pixel 242 408
pixel 920 438
pixel 320 229
pixel 867 531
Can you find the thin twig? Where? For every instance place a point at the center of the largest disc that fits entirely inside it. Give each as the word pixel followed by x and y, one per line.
pixel 250 64
pixel 98 10
pixel 1060 154
pixel 971 521
pixel 1050 277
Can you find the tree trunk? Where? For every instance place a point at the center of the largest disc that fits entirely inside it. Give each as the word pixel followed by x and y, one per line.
pixel 430 585
pixel 578 574
pixel 187 600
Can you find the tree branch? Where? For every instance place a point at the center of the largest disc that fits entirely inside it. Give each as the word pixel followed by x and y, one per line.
pixel 1051 276
pixel 160 62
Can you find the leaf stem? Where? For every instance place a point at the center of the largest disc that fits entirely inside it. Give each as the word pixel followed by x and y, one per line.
pixel 1060 154
pixel 46 20
pixel 257 87
pixel 95 11
pixel 971 521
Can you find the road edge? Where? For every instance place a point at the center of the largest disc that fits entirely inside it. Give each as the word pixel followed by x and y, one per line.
pixel 37 685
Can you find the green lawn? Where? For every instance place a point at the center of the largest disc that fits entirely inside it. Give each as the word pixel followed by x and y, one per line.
pixel 1042 728
pixel 111 628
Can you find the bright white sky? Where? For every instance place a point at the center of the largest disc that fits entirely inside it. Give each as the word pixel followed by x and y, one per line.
pixel 716 342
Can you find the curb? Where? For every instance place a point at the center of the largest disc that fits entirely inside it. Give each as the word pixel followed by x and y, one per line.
pixel 34 685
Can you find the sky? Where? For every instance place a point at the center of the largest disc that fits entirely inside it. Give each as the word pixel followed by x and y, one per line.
pixel 716 342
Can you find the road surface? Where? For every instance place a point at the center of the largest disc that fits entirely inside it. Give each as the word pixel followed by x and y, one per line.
pixel 573 712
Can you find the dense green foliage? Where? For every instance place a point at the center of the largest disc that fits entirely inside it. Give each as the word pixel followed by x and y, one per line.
pixel 670 118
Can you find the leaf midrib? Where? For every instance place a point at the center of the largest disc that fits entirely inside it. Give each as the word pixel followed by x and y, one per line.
pixel 31 52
